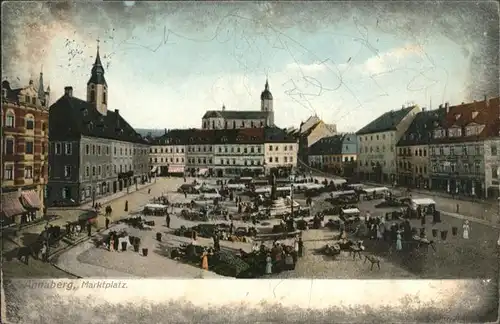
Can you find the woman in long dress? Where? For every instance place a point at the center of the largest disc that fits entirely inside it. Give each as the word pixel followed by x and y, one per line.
pixel 399 245
pixel 269 264
pixel 204 260
pixel 380 231
pixel 466 230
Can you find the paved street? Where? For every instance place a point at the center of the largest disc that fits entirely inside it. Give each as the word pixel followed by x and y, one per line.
pixel 454 258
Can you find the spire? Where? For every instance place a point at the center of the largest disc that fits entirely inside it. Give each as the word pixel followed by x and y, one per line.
pixel 97 76
pixel 223 107
pixel 41 91
pixel 267 84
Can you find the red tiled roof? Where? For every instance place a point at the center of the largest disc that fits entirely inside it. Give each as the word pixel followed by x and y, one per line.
pixel 484 112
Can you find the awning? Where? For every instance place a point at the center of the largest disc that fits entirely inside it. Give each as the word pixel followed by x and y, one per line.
pixel 153 169
pixel 30 199
pixel 11 205
pixel 175 169
pixel 202 171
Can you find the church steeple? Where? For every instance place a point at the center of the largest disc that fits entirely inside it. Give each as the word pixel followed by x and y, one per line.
pixel 97 88
pixel 266 103
pixel 97 75
pixel 41 90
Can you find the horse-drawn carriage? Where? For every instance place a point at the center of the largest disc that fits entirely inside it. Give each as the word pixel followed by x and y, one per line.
pixel 139 222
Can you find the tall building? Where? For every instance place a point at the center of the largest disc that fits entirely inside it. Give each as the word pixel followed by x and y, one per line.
pixel 464 156
pixel 93 151
pixel 232 119
pixel 24 122
pixel 377 144
pixel 412 159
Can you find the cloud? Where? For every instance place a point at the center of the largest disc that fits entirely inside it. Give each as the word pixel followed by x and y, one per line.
pixel 385 61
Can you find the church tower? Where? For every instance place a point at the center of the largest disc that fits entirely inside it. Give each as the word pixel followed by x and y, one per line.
pixel 97 88
pixel 266 103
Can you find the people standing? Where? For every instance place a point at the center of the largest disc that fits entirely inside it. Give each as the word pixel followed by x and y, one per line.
pixel 107 222
pixel 399 244
pixel 269 264
pixel 126 205
pixel 44 252
pixel 204 260
pixel 167 220
pixel 89 229
pixel 231 228
pixel 466 230
pixel 301 247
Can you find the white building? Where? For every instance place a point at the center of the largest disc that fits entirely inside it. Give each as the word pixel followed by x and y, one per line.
pixel 377 144
pixel 168 153
pixel 280 150
pixel 233 119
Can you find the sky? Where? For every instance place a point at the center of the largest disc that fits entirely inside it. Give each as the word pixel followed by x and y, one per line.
pixel 166 64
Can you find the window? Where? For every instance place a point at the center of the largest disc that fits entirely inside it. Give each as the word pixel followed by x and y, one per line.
pixel 270 160
pixel 290 159
pixel 30 123
pixel 276 159
pixel 258 149
pixel 87 171
pixel 455 132
pixel 270 147
pixel 67 148
pixel 58 148
pixel 494 172
pixel 29 147
pixel 93 149
pixel 98 149
pixel 107 150
pixel 8 172
pixel 66 193
pixel 104 97
pixel 99 170
pixel 473 130
pixel 87 149
pixel 67 171
pixel 28 172
pixel 9 146
pixel 285 159
pixel 10 119
pixel 438 133
pixel 494 149
pixel 92 95
pixel 93 171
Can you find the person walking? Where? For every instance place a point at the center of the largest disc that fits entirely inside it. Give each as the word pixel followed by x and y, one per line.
pixel 466 230
pixel 301 247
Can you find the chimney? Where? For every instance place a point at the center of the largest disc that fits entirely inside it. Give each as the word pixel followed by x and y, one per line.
pixel 68 91
pixel 447 106
pixel 223 107
pixel 441 106
pixel 166 131
pixel 117 111
pixel 423 109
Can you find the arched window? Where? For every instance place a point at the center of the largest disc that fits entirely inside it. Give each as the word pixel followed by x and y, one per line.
pixel 92 96
pixel 104 97
pixel 30 122
pixel 10 118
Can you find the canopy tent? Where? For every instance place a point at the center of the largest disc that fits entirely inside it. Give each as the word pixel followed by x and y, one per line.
pixel 423 201
pixel 372 190
pixel 30 199
pixel 155 206
pixel 351 211
pixel 11 205
pixel 153 169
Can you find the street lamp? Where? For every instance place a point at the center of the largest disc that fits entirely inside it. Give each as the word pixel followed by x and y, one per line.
pixel 291 199
pixel 498 177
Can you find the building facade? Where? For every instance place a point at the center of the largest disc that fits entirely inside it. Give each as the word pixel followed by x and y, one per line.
pixel 232 119
pixel 239 152
pixel 94 152
pixel 311 131
pixel 167 153
pixel 336 154
pixel 413 150
pixel 280 151
pixel 24 126
pixel 458 150
pixel 377 144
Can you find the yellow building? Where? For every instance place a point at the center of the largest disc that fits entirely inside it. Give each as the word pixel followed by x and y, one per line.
pixel 413 158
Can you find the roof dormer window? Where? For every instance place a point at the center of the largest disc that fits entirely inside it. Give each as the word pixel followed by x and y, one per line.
pixel 474 114
pixel 457 116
